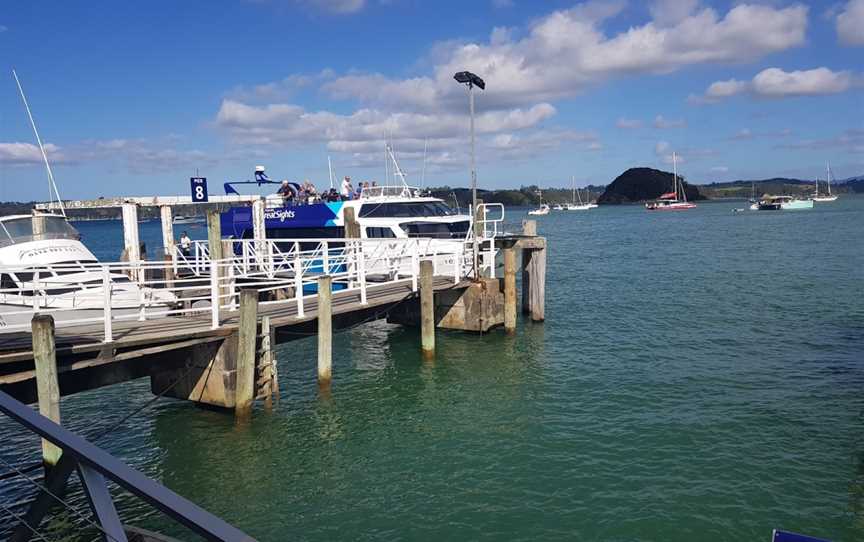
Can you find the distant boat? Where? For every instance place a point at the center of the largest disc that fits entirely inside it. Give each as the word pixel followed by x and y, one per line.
pixel 543 209
pixel 558 207
pixel 675 200
pixel 180 219
pixel 829 196
pixel 580 206
pixel 754 201
pixel 785 203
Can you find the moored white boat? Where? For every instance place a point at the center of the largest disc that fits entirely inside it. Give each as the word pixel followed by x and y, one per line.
pixel 828 197
pixel 675 200
pixel 785 203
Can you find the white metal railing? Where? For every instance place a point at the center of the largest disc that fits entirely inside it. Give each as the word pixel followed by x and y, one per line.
pixel 283 271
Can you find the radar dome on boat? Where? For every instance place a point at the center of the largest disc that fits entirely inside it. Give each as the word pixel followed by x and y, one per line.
pixel 259 169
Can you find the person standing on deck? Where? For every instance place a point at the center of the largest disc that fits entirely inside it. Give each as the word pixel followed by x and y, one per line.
pixel 346 188
pixel 185 244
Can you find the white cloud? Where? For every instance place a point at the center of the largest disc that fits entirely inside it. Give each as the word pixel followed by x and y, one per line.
pixel 776 83
pixel 628 124
pixel 138 156
pixel 18 153
pixel 554 57
pixel 851 141
pixel 662 123
pixel 566 51
pixel 850 23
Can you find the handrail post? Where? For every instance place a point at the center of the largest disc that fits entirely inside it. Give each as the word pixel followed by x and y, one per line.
pixel 298 281
pixel 361 271
pixel 326 258
pixel 214 294
pixel 36 291
pixel 106 303
pixel 142 301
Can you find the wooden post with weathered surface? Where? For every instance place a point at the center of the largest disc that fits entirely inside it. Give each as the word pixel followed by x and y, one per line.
pixel 533 276
pixel 352 227
pixel 529 229
pixel 325 330
pixel 247 353
pixel 510 290
pixel 538 285
pixel 47 386
pixel 427 309
pixel 268 373
pixel 214 234
pixel 167 229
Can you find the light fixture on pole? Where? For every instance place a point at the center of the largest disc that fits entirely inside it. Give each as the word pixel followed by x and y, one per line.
pixel 472 80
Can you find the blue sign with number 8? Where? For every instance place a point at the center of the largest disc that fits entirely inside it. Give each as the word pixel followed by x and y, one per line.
pixel 199 189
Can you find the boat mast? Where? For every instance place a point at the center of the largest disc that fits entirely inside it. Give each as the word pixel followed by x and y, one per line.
pixel 828 180
pixel 51 183
pixel 330 167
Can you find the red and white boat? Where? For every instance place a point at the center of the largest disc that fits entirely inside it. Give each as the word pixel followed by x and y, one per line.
pixel 676 200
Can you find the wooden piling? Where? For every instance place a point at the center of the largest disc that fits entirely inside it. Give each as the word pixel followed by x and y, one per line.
pixel 214 234
pixel 537 292
pixel 529 229
pixel 427 309
pixel 268 372
pixel 47 386
pixel 352 227
pixel 325 330
pixel 510 290
pixel 167 229
pixel 246 353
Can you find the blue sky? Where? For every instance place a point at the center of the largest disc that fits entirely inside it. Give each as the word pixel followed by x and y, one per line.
pixel 133 98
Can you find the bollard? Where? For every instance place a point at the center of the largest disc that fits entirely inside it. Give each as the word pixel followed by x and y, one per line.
pixel 325 331
pixel 427 309
pixel 246 353
pixel 47 387
pixel 510 290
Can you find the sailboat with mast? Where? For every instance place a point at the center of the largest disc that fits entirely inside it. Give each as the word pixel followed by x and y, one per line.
pixel 676 200
pixel 824 198
pixel 580 206
pixel 543 209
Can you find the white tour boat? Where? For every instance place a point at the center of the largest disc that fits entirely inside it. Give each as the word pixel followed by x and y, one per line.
pixel 543 209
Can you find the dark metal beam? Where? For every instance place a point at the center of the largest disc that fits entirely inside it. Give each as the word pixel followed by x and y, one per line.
pixel 174 506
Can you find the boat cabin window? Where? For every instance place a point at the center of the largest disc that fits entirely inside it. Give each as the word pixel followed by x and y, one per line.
pixel 405 209
pixel 437 230
pixel 380 233
pixel 20 230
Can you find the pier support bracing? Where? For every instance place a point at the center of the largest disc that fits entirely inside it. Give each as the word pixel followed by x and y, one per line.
pixel 47 386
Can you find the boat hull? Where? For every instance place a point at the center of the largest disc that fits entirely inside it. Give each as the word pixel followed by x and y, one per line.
pixel 797 204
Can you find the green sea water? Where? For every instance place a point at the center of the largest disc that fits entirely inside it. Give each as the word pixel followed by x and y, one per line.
pixel 700 376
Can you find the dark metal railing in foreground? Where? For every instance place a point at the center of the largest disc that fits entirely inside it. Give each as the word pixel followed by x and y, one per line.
pixel 94 465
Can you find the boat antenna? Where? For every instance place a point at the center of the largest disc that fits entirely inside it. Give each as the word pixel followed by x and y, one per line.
pixel 330 167
pixel 397 171
pixel 51 183
pixel 423 174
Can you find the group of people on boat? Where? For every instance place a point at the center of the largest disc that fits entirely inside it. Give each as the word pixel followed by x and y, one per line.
pixel 305 193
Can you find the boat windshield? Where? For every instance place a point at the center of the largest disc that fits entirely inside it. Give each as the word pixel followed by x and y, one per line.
pixel 406 209
pixel 20 230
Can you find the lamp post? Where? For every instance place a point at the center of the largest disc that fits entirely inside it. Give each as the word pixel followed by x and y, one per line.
pixel 472 80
